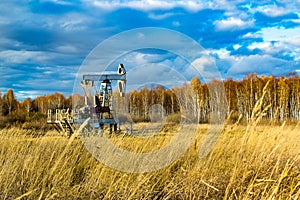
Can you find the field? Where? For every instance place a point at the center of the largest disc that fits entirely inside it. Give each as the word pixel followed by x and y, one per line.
pixel 248 162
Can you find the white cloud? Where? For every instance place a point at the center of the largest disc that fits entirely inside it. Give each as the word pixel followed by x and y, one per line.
pixel 12 56
pixel 71 22
pixel 251 36
pixel 160 16
pixel 192 5
pixel 221 53
pixel 273 10
pixel 206 66
pixel 260 45
pixel 23 94
pixel 278 39
pixel 88 25
pixel 259 64
pixel 5 42
pixel 158 73
pixel 232 24
pixel 140 5
pixel 276 48
pixel 295 40
pixel 223 59
pixel 60 2
pixel 228 5
pixel 7 73
pixel 202 62
pixel 138 58
pixel 237 46
pixel 68 48
pixel 279 33
pixel 148 5
pixel 297 21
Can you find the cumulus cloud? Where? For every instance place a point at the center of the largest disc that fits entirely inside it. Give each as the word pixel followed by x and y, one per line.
pixel 206 67
pixel 67 48
pixel 154 73
pixel 160 16
pixel 148 5
pixel 273 10
pixel 237 46
pixel 265 46
pixel 61 2
pixel 279 40
pixel 295 40
pixel 202 63
pixel 23 94
pixel 232 24
pixel 46 86
pixel 8 74
pixel 23 56
pixel 279 33
pixel 141 5
pixel 251 36
pixel 278 49
pixel 261 64
pixel 51 37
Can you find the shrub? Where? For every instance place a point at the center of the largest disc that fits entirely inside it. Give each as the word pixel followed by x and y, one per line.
pixel 174 118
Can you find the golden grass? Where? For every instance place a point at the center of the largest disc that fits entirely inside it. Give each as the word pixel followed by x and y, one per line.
pixel 260 162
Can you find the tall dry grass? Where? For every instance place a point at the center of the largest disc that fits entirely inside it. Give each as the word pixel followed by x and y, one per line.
pixel 248 162
pixel 260 162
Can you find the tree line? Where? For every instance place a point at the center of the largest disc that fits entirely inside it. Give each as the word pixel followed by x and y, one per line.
pixel 14 111
pixel 282 97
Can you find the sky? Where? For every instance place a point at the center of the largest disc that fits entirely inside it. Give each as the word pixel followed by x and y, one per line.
pixel 44 43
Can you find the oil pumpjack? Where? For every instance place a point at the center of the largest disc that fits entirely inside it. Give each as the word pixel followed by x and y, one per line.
pixel 99 109
pixel 100 106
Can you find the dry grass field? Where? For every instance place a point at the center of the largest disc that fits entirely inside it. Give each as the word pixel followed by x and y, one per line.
pixel 248 162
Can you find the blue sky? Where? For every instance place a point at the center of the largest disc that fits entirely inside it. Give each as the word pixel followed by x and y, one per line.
pixel 43 43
